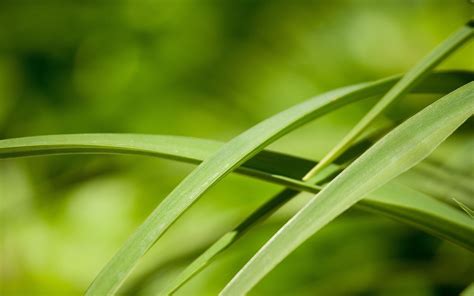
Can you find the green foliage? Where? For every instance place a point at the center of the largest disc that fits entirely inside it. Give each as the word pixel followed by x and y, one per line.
pixel 394 201
pixel 211 69
pixel 410 79
pixel 420 211
pixel 397 152
pixel 227 158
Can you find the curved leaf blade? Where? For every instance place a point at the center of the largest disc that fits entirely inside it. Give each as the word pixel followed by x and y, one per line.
pixel 270 166
pixel 446 81
pixel 408 81
pixel 193 150
pixel 398 151
pixel 398 202
pixel 213 169
pixel 209 172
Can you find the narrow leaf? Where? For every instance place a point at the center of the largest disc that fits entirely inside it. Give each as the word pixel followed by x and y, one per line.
pixel 213 169
pixel 409 80
pixel 111 278
pixel 397 202
pixel 196 150
pixel 397 152
pixel 258 215
pixel 270 166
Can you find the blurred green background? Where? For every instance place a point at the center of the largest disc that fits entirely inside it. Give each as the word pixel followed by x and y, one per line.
pixel 205 69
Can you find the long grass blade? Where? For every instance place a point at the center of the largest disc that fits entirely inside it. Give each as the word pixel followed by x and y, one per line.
pixel 262 213
pixel 270 166
pixel 213 169
pixel 232 155
pixel 193 150
pixel 397 152
pixel 409 80
pixel 229 238
pixel 398 202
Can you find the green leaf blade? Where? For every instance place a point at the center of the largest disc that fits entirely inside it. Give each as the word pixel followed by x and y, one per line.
pixel 186 150
pixel 401 149
pixel 230 156
pixel 400 203
pixel 408 81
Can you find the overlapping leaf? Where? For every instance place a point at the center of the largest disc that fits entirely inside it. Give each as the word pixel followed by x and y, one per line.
pixel 400 150
pixel 245 146
pixel 213 169
pixel 394 200
pixel 227 158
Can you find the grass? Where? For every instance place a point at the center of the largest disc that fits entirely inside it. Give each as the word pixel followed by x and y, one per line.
pixel 393 200
pixel 409 80
pixel 366 182
pixel 397 152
